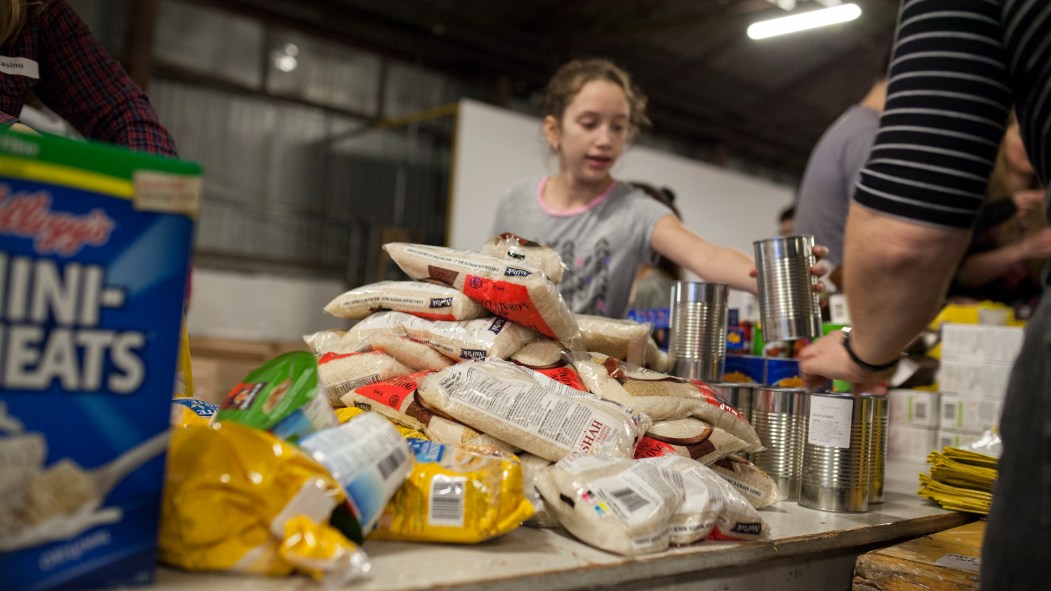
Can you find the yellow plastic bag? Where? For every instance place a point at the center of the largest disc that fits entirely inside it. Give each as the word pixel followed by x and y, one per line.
pixel 455 493
pixel 233 497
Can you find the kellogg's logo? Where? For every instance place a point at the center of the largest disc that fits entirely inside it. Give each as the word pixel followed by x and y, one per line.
pixel 29 215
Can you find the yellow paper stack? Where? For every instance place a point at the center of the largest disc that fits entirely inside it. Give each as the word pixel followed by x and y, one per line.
pixel 960 479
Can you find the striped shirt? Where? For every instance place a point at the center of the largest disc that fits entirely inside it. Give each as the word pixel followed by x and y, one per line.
pixel 958 68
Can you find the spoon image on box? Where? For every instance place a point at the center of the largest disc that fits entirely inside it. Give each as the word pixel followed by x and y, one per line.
pixel 62 500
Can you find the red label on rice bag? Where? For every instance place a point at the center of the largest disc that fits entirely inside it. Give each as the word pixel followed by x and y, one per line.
pixel 712 397
pixel 329 357
pixel 508 300
pixel 649 447
pixel 565 375
pixel 433 316
pixel 392 392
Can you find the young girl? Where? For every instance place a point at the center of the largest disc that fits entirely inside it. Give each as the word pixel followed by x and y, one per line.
pixel 603 229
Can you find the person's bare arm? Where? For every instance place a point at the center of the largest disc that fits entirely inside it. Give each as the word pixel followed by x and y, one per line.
pixel 984 267
pixel 711 262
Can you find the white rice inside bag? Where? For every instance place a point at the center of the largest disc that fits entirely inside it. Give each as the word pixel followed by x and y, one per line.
pixel 396 399
pixel 531 411
pixel 418 356
pixel 688 437
pixel 481 338
pixel 532 466
pixel 657 359
pixel 514 290
pixel 484 338
pixel 750 480
pixel 619 338
pixel 324 341
pixel 343 372
pixel 735 519
pixel 618 505
pixel 514 247
pixel 661 396
pixel 425 299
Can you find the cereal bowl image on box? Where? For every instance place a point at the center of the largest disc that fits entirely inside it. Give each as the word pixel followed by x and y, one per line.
pixel 94 245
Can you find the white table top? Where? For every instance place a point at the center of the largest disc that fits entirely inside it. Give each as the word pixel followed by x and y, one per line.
pixel 529 559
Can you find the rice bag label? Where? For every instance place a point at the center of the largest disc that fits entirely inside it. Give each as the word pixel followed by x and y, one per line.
pixel 509 300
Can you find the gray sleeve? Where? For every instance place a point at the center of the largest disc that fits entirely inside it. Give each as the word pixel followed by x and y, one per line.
pixel 856 153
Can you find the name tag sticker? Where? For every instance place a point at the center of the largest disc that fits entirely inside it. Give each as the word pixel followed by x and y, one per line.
pixel 20 66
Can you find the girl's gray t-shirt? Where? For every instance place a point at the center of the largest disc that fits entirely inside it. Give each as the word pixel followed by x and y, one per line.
pixel 602 244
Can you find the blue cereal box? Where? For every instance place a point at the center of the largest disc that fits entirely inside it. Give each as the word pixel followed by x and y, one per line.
pixel 94 249
pixel 745 368
pixel 783 372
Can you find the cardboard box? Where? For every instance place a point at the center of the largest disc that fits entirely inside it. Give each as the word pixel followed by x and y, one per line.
pixel 980 343
pixel 916 408
pixel 974 379
pixel 911 444
pixel 944 561
pixel 969 414
pixel 219 364
pixel 956 438
pixel 94 244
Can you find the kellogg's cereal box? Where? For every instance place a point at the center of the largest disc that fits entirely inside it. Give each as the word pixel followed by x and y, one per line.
pixel 94 246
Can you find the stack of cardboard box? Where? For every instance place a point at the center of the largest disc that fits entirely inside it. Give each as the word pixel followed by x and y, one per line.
pixel 972 377
pixel 976 362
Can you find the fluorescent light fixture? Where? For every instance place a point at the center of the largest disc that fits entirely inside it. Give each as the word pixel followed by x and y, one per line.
pixel 804 20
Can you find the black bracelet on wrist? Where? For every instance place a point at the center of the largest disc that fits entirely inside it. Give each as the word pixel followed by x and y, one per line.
pixel 865 365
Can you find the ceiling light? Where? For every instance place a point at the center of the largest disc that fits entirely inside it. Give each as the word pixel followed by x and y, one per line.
pixel 804 20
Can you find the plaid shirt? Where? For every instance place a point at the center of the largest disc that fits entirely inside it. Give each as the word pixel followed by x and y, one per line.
pixel 79 81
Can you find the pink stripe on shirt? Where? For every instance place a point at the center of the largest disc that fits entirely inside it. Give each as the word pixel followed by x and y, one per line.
pixel 576 210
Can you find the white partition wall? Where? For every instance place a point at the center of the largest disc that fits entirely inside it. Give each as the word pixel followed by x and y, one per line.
pixel 496 148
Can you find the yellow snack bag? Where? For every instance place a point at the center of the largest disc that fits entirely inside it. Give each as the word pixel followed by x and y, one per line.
pixel 456 493
pixel 345 413
pixel 233 497
pixel 187 412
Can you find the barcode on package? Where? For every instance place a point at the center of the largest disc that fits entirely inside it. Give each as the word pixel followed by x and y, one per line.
pixel 630 499
pixel 389 464
pixel 446 501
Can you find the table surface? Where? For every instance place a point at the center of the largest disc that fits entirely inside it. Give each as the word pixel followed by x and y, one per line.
pixel 529 559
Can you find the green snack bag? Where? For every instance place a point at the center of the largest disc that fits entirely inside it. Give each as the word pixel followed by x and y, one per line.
pixel 282 397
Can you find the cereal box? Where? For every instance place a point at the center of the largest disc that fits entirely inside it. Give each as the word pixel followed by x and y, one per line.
pixel 94 245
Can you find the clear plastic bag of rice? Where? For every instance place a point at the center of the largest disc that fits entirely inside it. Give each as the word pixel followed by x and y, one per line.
pixel 513 246
pixel 656 358
pixel 512 289
pixel 481 338
pixel 342 372
pixel 532 466
pixel 750 480
pixel 324 341
pixel 614 504
pixel 688 437
pixel 661 396
pixel 545 355
pixel 735 517
pixel 419 356
pixel 425 299
pixel 531 411
pixel 396 399
pixel 619 338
